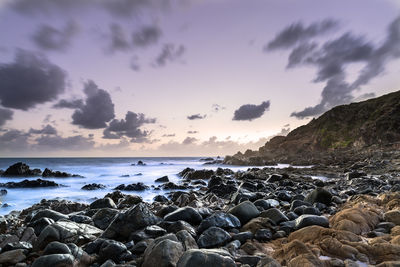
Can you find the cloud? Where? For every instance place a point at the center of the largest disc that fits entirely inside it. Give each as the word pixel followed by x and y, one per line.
pixel 29 81
pixel 189 140
pixel 97 110
pixel 331 58
pixel 250 112
pixel 168 135
pixel 49 38
pixel 5 115
pixel 118 39
pixel 147 35
pixel 169 53
pixel 217 108
pixel 297 32
pixel 77 142
pixel 129 127
pixel 73 104
pixel 196 117
pixel 48 130
pixel 13 140
pixel 192 132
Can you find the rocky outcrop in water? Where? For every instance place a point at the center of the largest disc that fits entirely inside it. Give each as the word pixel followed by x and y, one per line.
pixel 21 169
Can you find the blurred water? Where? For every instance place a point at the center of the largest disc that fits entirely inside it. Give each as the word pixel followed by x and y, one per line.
pixel 106 171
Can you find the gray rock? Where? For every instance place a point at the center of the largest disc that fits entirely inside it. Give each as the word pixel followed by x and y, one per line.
pixel 320 195
pixel 220 219
pixel 111 249
pixel 274 215
pixel 103 217
pixel 243 236
pixel 187 214
pixel 213 237
pixel 40 224
pixel 64 260
pixel 12 256
pixel 187 240
pixel 205 257
pixel 56 247
pixel 308 220
pixel 245 211
pixel 103 203
pixel 54 215
pixel 164 251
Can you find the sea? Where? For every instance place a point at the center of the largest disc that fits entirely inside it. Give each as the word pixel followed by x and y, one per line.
pixel 110 172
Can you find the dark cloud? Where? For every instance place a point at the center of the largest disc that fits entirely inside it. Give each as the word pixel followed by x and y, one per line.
pixel 297 32
pixel 250 112
pixel 168 135
pixel 5 115
pixel 47 130
pixel 48 37
pixel 169 53
pixel 29 81
pixel 196 117
pixel 146 36
pixel 134 65
pixel 118 39
pixel 13 140
pixel 332 58
pixel 73 104
pixel 192 132
pixel 217 108
pixel 97 110
pixel 54 142
pixel 129 127
pixel 189 140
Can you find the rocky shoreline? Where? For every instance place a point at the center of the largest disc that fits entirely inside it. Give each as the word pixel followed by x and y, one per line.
pixel 259 217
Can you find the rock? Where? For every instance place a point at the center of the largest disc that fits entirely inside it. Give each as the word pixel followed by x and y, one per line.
pixel 103 217
pixel 155 231
pixel 268 262
pixel 257 223
pixel 320 195
pixel 263 235
pixel 243 236
pixel 3 192
pixel 58 174
pixel 30 184
pixel 220 219
pixel 160 198
pixel 213 237
pixel 12 257
pixel 163 252
pixel 354 174
pixel 111 249
pixel 181 225
pixel 141 163
pixel 81 219
pixel 187 214
pixel 93 186
pixel 132 187
pixel 205 257
pixel 196 174
pixel 129 200
pixel 245 211
pixel 103 203
pixel 28 235
pixel 392 216
pixel 309 220
pixel 126 223
pixel 187 240
pixel 40 224
pixel 56 247
pixel 274 215
pixel 46 213
pixel 17 245
pixel 20 169
pixel 163 179
pixel 56 260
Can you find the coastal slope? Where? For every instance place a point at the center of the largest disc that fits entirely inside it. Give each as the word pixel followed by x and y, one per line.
pixel 347 131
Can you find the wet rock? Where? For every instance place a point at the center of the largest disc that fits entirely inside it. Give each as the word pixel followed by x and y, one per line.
pixel 126 223
pixel 309 220
pixel 320 195
pixel 93 186
pixel 160 198
pixel 103 203
pixel 3 192
pixel 17 245
pixel 103 217
pixel 20 169
pixel 243 236
pixel 213 237
pixel 57 174
pixel 187 214
pixel 220 219
pixel 40 224
pixel 163 179
pixel 181 225
pixel 30 184
pixel 274 215
pixel 111 249
pixel 163 251
pixel 56 247
pixel 206 257
pixel 65 260
pixel 173 186
pixel 46 213
pixel 81 219
pixel 12 257
pixel 245 211
pixel 192 174
pixel 132 187
pixel 263 235
pixel 187 240
pixel 128 201
pixel 354 174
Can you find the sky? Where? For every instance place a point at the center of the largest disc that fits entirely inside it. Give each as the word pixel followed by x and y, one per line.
pixel 184 77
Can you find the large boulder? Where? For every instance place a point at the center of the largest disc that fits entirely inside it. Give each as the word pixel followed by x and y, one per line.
pixel 319 195
pixel 187 214
pixel 206 257
pixel 164 251
pixel 220 219
pixel 126 223
pixel 213 237
pixel 245 211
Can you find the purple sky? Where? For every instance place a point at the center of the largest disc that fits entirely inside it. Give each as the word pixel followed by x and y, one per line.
pixel 184 77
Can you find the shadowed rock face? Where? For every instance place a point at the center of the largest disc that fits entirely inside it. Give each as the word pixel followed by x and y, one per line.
pixel 371 124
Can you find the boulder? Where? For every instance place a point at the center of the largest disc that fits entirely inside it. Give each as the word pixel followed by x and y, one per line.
pixel 206 257
pixel 20 169
pixel 46 213
pixel 319 195
pixel 103 203
pixel 56 260
pixel 220 219
pixel 56 247
pixel 187 240
pixel 103 217
pixel 164 251
pixel 30 184
pixel 163 179
pixel 275 215
pixel 213 237
pixel 12 257
pixel 245 211
pixel 392 216
pixel 132 187
pixel 187 214
pixel 93 186
pixel 111 249
pixel 309 220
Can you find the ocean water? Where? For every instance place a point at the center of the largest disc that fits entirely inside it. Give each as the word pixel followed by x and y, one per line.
pixel 110 172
